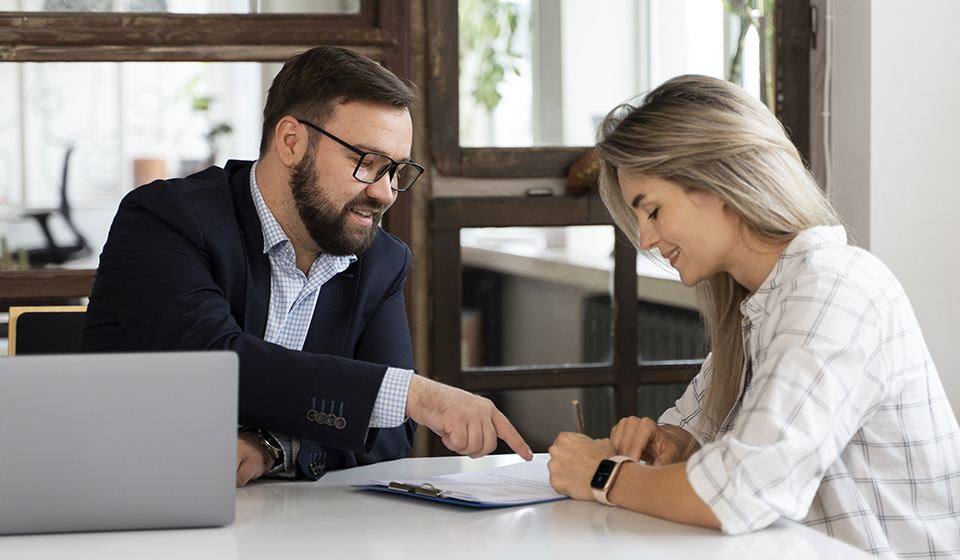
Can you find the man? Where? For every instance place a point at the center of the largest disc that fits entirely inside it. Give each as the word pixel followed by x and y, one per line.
pixel 283 261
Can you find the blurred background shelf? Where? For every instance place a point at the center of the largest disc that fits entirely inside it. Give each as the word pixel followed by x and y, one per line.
pixel 44 285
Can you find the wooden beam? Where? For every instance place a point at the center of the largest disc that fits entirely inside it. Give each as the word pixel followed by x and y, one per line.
pixel 190 30
pixel 446 279
pixel 625 327
pixel 518 162
pixel 793 27
pixel 47 283
pixel 112 53
pixel 506 378
pixel 456 213
pixel 443 83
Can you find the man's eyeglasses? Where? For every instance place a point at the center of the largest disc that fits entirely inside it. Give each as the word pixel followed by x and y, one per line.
pixel 372 166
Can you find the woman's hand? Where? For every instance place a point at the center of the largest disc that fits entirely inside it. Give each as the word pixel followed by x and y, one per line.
pixel 642 439
pixel 573 460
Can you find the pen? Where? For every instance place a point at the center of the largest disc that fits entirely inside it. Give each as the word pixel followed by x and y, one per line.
pixel 578 414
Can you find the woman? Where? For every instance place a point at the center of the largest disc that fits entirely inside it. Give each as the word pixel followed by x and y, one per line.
pixel 819 401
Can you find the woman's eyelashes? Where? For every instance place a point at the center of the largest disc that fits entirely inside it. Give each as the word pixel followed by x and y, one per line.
pixel 653 215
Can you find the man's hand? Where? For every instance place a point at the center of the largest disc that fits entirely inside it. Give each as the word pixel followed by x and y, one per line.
pixel 573 461
pixel 252 459
pixel 643 439
pixel 467 424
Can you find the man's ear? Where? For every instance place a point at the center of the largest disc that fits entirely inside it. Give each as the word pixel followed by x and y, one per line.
pixel 290 141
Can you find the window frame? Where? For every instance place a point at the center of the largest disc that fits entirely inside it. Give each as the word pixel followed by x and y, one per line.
pixel 125 37
pixel 625 373
pixel 792 81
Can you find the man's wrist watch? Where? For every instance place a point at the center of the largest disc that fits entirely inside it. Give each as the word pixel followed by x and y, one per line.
pixel 604 477
pixel 271 445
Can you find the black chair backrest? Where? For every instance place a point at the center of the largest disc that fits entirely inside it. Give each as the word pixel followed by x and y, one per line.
pixel 46 331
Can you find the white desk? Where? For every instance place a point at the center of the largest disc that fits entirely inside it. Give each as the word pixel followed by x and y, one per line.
pixel 329 520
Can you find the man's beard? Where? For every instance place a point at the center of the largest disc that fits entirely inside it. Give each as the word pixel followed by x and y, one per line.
pixel 328 227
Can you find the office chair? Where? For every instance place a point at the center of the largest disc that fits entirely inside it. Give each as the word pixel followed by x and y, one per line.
pixel 52 253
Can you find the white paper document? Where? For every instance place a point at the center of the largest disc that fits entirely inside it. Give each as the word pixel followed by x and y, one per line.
pixel 517 484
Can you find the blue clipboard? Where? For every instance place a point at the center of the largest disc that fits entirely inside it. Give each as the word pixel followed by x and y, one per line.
pixel 430 493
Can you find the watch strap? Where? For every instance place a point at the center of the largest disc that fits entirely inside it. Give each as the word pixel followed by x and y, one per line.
pixel 270 444
pixel 601 493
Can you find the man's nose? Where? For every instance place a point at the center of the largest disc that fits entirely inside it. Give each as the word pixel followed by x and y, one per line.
pixel 381 190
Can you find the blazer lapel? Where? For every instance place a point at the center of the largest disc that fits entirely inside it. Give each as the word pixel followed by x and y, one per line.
pixel 258 269
pixel 333 317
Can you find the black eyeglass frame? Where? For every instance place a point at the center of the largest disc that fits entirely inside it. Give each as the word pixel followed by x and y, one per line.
pixel 391 169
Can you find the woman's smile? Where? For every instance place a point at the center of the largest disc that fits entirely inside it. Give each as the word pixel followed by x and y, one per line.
pixel 672 256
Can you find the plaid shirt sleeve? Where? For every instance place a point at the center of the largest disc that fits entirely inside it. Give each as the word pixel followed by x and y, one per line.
pixel 685 413
pixel 390 408
pixel 811 388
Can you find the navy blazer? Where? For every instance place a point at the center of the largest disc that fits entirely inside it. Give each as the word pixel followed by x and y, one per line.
pixel 184 269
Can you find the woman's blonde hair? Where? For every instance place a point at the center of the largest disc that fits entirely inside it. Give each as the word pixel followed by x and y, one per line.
pixel 708 134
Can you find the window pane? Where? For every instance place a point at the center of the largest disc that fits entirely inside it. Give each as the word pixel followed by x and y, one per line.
pixel 10 153
pixel 540 414
pixel 186 6
pixel 536 72
pixel 669 323
pixel 536 296
pixel 123 124
pixel 653 400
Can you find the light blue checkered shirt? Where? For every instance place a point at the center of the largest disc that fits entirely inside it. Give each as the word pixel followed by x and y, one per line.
pixel 293 298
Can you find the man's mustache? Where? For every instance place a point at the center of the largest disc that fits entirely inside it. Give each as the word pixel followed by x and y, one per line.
pixel 359 203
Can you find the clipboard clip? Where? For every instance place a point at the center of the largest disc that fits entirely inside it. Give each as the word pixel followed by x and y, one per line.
pixel 425 489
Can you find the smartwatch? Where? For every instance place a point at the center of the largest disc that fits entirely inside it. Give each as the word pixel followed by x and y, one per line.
pixel 604 477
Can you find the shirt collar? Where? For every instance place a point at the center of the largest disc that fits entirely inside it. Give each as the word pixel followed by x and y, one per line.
pixel 805 242
pixel 273 234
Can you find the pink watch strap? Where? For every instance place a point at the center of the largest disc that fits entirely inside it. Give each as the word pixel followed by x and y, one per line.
pixel 601 495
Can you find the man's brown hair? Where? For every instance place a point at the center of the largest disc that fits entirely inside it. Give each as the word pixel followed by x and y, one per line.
pixel 312 83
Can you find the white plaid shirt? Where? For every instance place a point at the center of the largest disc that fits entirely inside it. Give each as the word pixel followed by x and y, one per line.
pixel 843 424
pixel 293 298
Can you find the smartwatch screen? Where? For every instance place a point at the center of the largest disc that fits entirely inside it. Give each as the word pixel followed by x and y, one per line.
pixel 600 478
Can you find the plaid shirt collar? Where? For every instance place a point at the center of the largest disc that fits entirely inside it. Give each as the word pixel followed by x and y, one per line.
pixel 273 235
pixel 754 307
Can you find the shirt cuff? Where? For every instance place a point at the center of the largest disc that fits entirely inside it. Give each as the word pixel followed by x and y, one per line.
pixel 389 410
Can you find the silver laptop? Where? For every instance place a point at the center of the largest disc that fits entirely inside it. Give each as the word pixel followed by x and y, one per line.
pixel 117 441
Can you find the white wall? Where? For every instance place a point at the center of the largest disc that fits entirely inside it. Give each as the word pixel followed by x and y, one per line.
pixel 850 114
pixel 895 149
